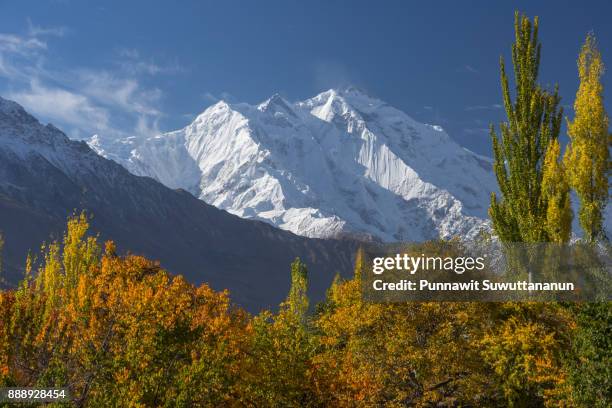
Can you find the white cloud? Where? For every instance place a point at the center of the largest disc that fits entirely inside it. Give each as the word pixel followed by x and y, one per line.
pixel 38 31
pixel 62 106
pixel 131 62
pixel 129 53
pixel 147 125
pixel 332 74
pixel 20 55
pixel 227 97
pixel 10 43
pixel 123 93
pixel 223 96
pixel 81 100
pixel 210 97
pixel 483 107
pixel 468 68
pixel 476 131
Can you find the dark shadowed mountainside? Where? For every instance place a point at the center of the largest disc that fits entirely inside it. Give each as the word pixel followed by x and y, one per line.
pixel 44 177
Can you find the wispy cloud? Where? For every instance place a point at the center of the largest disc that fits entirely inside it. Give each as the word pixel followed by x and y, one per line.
pixel 82 100
pixel 223 96
pixel 147 125
pixel 126 94
pixel 63 105
pixel 333 74
pixel 130 61
pixel 209 97
pixel 16 50
pixel 10 43
pixel 476 131
pixel 494 106
pixel 468 69
pixel 131 53
pixel 20 56
pixel 38 31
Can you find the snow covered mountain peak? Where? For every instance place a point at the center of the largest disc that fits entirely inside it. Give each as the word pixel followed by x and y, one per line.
pixel 220 107
pixel 274 103
pixel 350 93
pixel 24 140
pixel 18 126
pixel 14 115
pixel 9 107
pixel 342 162
pixel 344 103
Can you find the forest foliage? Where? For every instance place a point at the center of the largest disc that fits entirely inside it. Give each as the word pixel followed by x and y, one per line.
pixel 121 331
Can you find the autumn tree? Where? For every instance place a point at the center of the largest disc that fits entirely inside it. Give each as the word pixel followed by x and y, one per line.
pixel 524 343
pixel 533 123
pixel 297 301
pixel 119 331
pixel 438 354
pixel 555 189
pixel 282 347
pixel 588 154
pixel 587 160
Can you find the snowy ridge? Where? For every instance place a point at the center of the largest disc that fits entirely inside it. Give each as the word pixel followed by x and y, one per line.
pixel 342 162
pixel 24 137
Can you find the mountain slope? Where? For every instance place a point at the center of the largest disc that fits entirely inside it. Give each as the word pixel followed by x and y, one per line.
pixel 44 176
pixel 340 163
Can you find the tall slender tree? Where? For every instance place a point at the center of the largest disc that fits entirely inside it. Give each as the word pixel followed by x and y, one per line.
pixel 588 156
pixel 534 121
pixel 587 160
pixel 297 301
pixel 555 189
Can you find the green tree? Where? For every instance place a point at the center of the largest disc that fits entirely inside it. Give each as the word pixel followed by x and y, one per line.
pixel 591 356
pixel 283 345
pixel 588 156
pixel 534 121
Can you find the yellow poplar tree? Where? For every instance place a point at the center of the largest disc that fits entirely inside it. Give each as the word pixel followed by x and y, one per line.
pixel 556 190
pixel 587 158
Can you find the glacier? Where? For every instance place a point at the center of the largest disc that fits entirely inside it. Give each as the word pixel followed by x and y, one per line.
pixel 342 163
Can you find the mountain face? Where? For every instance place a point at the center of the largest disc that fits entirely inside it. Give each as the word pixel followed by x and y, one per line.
pixel 340 163
pixel 44 177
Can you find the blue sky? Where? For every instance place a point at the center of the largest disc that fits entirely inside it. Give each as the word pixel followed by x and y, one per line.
pixel 122 68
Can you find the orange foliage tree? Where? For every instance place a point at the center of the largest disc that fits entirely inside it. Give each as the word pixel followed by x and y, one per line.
pixel 119 331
